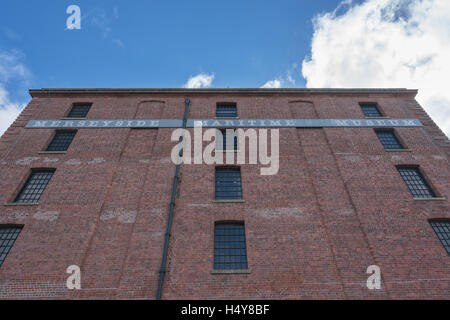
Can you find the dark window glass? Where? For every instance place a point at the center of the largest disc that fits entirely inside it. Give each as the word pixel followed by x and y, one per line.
pixel 8 235
pixel 79 111
pixel 388 139
pixel 226 111
pixel 442 229
pixel 416 183
pixel 229 246
pixel 227 141
pixel 228 183
pixel 370 110
pixel 61 141
pixel 34 187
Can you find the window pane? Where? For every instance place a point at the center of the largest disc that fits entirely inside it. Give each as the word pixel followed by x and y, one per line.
pixel 229 246
pixel 416 183
pixel 61 141
pixel 8 236
pixel 34 186
pixel 228 183
pixel 79 111
pixel 226 110
pixel 442 229
pixel 229 142
pixel 388 139
pixel 371 110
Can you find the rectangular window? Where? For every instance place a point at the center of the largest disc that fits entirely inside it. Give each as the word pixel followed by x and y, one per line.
pixel 229 142
pixel 228 183
pixel 8 235
pixel 226 110
pixel 442 229
pixel 34 186
pixel 370 110
pixel 388 139
pixel 61 141
pixel 416 183
pixel 229 246
pixel 79 111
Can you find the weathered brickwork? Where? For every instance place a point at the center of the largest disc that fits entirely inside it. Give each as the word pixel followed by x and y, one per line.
pixel 336 206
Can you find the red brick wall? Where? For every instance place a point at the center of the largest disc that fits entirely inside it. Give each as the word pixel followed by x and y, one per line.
pixel 336 206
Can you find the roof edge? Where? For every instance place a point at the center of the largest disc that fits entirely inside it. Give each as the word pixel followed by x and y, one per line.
pixel 34 92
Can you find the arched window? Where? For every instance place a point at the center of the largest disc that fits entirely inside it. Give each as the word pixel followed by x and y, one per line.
pixel 370 110
pixel 8 235
pixel 79 110
pixel 228 183
pixel 34 186
pixel 61 140
pixel 416 182
pixel 229 246
pixel 442 229
pixel 226 110
pixel 388 139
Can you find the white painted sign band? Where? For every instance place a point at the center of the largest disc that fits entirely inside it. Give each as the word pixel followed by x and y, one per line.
pixel 223 123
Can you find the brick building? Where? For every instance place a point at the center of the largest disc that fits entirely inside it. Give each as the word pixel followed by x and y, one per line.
pixel 85 181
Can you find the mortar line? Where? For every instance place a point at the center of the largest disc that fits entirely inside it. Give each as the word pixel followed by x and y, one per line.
pixel 333 256
pixel 355 209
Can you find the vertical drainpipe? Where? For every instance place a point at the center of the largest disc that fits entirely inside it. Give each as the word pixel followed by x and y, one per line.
pixel 162 271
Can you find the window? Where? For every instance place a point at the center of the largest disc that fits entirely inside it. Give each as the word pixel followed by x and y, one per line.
pixel 227 140
pixel 34 186
pixel 370 110
pixel 226 110
pixel 79 111
pixel 8 235
pixel 416 183
pixel 229 246
pixel 442 229
pixel 388 139
pixel 61 141
pixel 228 183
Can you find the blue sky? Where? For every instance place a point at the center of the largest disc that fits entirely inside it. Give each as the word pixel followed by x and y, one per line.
pixel 359 43
pixel 161 43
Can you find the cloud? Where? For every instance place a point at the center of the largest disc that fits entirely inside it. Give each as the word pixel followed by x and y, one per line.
pixel 8 110
pixel 118 42
pixel 286 80
pixel 12 72
pixel 385 43
pixel 10 66
pixel 292 73
pixel 272 84
pixel 100 19
pixel 201 80
pixel 10 34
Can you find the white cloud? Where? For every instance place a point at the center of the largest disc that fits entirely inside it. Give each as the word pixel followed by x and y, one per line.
pixel 118 42
pixel 386 43
pixel 10 66
pixel 8 110
pixel 277 83
pixel 292 73
pixel 100 19
pixel 11 70
pixel 290 79
pixel 201 80
pixel 10 34
pixel 286 80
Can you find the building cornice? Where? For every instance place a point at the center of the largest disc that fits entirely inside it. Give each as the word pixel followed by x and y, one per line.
pixel 78 91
